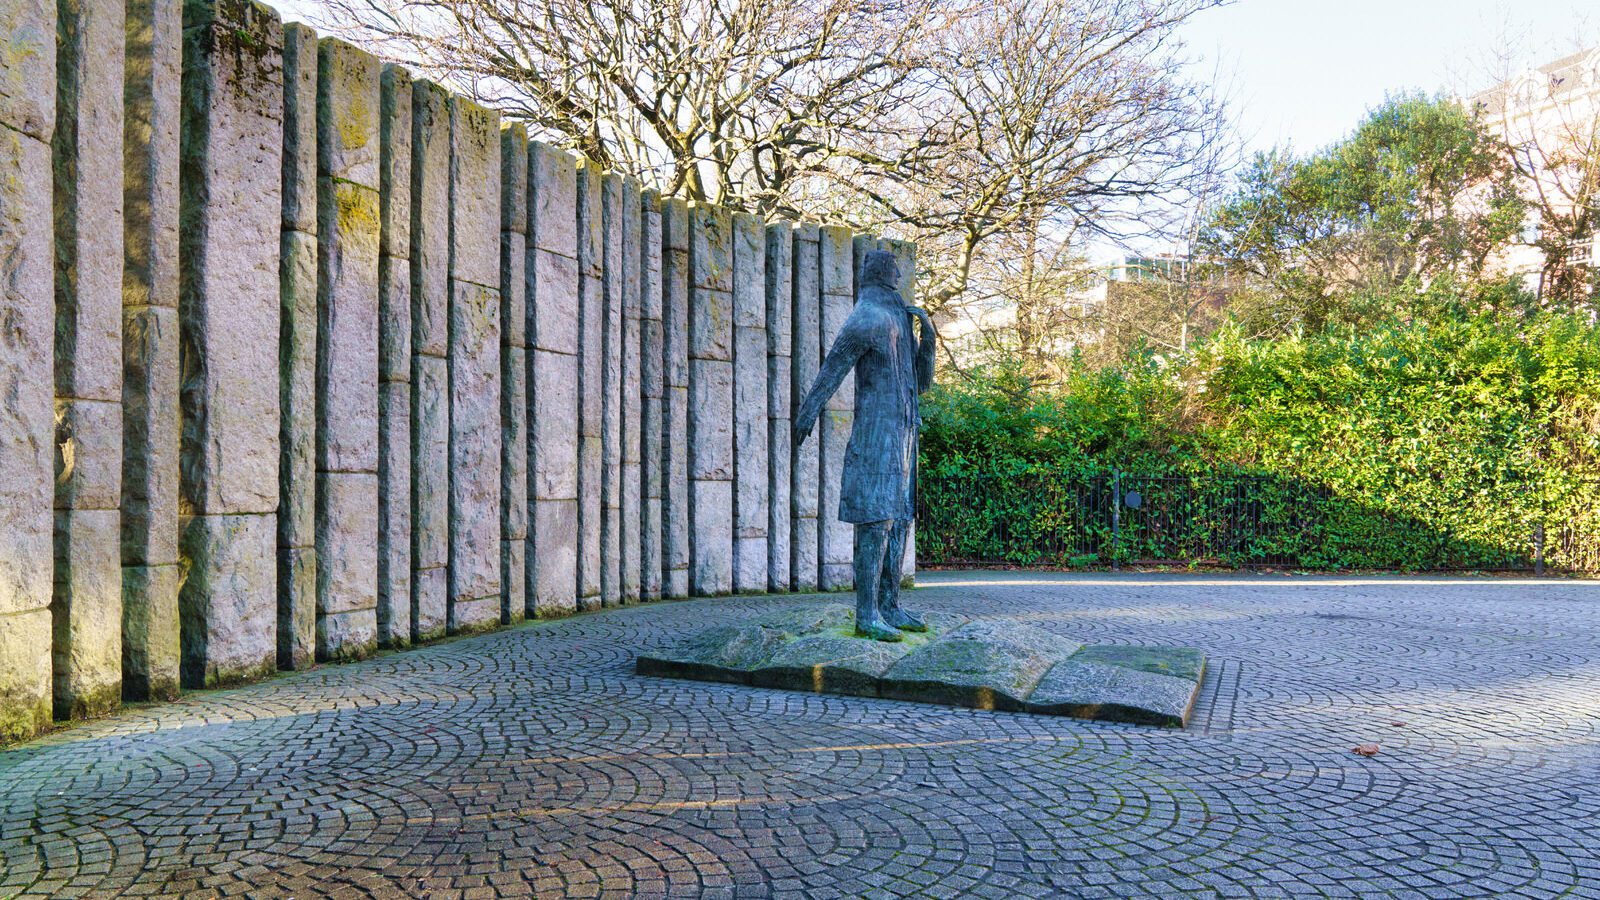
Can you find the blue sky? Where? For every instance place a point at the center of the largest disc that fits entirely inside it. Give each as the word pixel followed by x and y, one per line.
pixel 1304 71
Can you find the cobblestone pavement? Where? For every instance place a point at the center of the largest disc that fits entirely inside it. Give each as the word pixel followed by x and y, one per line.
pixel 533 762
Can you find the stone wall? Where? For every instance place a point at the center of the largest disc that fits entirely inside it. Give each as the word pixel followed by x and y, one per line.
pixel 336 360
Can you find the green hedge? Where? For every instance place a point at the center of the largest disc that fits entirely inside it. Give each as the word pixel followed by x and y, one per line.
pixel 1405 447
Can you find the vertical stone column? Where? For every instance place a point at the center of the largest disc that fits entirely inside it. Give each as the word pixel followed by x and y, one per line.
pixel 394 357
pixel 611 390
pixel 347 351
pixel 906 255
pixel 591 363
pixel 805 358
pixel 711 410
pixel 630 425
pixel 513 374
pixel 650 390
pixel 430 375
pixel 87 150
pixel 751 488
pixel 231 209
pixel 27 124
pixel 151 107
pixel 474 367
pixel 552 329
pixel 297 355
pixel 836 263
pixel 675 402
pixel 778 288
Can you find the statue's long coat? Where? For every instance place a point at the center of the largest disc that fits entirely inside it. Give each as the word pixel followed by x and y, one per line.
pixel 879 342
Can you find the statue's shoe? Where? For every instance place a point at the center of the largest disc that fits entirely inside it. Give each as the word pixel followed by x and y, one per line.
pixel 877 631
pixel 904 621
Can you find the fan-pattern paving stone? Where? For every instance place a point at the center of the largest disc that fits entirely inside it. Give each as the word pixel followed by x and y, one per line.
pixel 532 762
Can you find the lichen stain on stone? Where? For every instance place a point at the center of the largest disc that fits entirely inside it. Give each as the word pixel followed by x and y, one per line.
pixel 357 211
pixel 356 123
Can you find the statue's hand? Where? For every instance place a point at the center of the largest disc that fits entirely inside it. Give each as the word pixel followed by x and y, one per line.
pixel 922 316
pixel 800 433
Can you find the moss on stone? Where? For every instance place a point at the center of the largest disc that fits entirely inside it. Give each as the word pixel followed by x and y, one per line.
pixel 1179 662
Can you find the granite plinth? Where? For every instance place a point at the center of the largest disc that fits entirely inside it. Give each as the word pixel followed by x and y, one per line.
pixel 982 664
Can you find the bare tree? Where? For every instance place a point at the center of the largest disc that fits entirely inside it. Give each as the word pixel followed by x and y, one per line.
pixel 1062 117
pixel 982 129
pixel 732 101
pixel 1549 116
pixel 1554 130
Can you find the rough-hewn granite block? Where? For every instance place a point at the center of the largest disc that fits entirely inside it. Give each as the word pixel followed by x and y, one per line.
pixel 429 603
pixel 347 114
pixel 711 528
pixel 553 560
pixel 474 455
pixel 430 461
pixel 299 128
pixel 710 260
pixel 394 514
pixel 591 381
pixel 347 328
pixel 25 671
pixel 28 69
pixel 984 664
pixel 394 160
pixel 297 376
pixel 347 564
pixel 552 200
pixel 1097 690
pixel 430 219
pixel 227 611
pixel 26 417
pixel 87 614
pixel 297 607
pixel 513 563
pixel 87 168
pixel 297 358
pixel 150 632
pixel 231 210
pixel 778 293
pixel 629 426
pixel 651 389
pixel 750 420
pixel 675 397
pixel 513 480
pixel 611 391
pixel 152 103
pixel 88 451
pixel 590 455
pixel 349 237
pixel 805 460
pixel 474 193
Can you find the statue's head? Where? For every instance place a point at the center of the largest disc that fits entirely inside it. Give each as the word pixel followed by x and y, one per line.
pixel 879 268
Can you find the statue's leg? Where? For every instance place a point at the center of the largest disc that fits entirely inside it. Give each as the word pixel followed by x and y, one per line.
pixel 889 581
pixel 872 539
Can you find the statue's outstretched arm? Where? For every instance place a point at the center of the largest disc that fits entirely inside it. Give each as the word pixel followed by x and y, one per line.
pixel 841 358
pixel 925 348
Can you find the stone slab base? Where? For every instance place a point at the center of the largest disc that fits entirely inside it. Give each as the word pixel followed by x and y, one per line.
pixel 982 664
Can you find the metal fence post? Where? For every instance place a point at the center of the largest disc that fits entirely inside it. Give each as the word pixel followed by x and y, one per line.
pixel 1116 514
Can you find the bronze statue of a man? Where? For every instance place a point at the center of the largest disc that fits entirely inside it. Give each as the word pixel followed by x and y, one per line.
pixel 879 486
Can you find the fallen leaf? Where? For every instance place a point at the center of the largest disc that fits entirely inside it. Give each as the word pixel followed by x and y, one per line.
pixel 1366 750
pixel 1397 724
